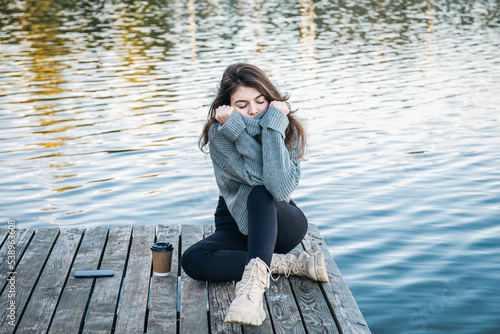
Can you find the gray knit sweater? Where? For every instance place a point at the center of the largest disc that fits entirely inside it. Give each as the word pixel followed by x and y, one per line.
pixel 247 152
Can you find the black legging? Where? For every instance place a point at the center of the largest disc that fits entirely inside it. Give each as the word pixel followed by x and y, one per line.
pixel 273 227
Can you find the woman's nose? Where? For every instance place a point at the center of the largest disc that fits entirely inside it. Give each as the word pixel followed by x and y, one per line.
pixel 252 109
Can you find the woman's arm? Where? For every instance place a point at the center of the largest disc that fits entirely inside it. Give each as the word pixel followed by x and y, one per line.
pixel 234 129
pixel 280 172
pixel 243 165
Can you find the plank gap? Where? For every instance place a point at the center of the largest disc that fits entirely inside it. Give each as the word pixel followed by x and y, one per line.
pixel 5 233
pixel 178 318
pixel 179 254
pixel 23 309
pixel 179 270
pixel 294 295
pixel 124 273
pixel 208 310
pixel 94 282
pixel 331 309
pixel 146 316
pixel 21 246
pixel 269 312
pixel 67 277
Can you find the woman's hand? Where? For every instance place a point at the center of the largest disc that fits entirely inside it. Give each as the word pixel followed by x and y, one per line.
pixel 281 106
pixel 222 113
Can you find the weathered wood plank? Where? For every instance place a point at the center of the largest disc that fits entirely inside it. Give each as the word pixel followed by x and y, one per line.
pixel 38 312
pixel 220 295
pixel 337 292
pixel 72 305
pixel 285 299
pixel 224 292
pixel 193 308
pixel 134 299
pixel 27 272
pixel 19 240
pixel 266 326
pixel 4 232
pixel 102 308
pixel 162 316
pixel 282 307
pixel 313 307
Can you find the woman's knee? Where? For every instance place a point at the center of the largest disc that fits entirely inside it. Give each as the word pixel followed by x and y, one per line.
pixel 292 227
pixel 191 261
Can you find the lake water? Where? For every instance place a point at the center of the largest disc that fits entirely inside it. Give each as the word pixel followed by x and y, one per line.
pixel 102 102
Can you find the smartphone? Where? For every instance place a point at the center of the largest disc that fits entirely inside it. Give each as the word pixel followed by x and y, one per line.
pixel 94 273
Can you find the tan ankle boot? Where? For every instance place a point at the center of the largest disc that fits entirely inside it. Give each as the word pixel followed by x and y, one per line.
pixel 247 308
pixel 301 264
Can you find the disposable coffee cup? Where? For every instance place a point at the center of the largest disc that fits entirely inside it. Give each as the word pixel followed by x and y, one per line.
pixel 162 258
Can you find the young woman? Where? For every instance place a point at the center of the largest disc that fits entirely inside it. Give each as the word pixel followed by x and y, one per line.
pixel 255 144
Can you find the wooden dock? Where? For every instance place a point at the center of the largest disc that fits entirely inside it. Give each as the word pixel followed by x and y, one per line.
pixel 39 293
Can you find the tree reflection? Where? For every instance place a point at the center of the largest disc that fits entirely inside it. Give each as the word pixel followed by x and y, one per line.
pixel 52 31
pixel 37 30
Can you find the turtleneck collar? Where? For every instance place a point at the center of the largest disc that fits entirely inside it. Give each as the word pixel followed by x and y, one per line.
pixel 253 127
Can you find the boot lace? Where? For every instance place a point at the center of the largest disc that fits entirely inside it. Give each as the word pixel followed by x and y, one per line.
pixel 298 268
pixel 281 266
pixel 290 267
pixel 259 278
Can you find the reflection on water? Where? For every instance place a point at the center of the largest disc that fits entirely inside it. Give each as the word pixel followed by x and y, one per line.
pixel 101 103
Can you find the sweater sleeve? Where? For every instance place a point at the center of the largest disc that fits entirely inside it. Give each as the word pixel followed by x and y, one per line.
pixel 234 129
pixel 243 165
pixel 280 172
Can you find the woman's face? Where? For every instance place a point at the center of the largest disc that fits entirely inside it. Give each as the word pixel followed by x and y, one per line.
pixel 248 101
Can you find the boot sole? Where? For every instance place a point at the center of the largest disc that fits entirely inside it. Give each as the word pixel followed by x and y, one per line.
pixel 245 318
pixel 321 272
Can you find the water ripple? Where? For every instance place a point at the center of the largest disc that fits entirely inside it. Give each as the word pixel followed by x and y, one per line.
pixel 101 104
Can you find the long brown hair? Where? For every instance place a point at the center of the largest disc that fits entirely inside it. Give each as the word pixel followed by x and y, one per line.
pixel 247 75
